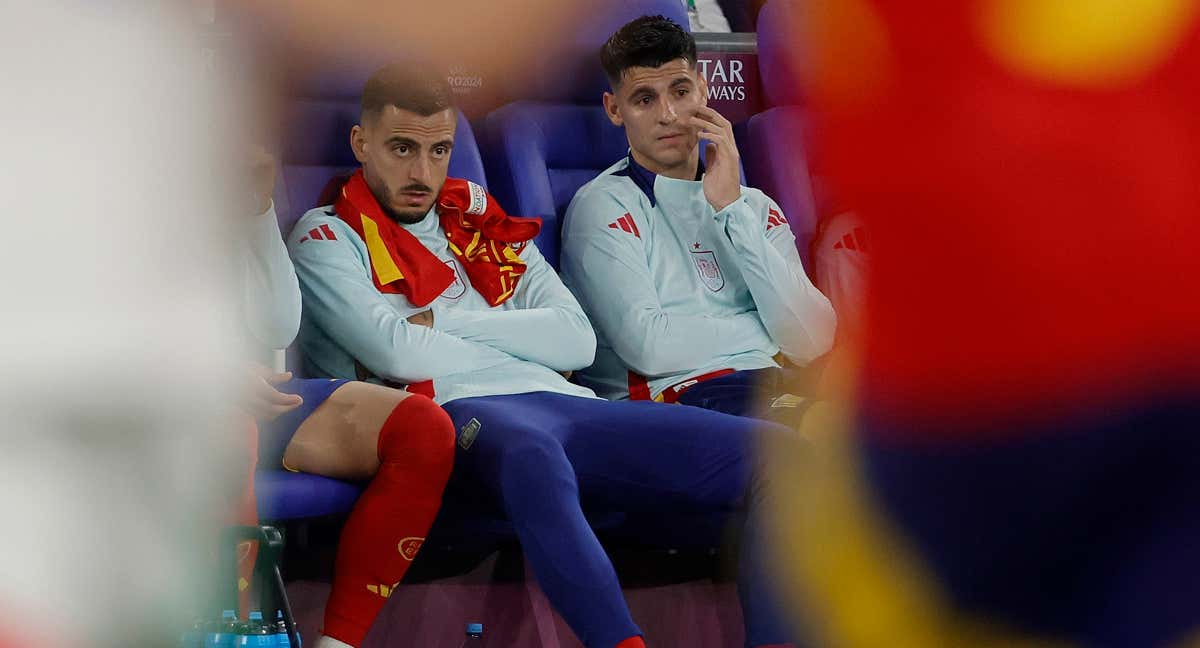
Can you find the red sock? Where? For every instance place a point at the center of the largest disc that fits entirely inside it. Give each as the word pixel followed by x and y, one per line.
pixel 246 509
pixel 632 642
pixel 391 518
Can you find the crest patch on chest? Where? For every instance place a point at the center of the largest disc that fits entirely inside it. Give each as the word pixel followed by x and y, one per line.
pixel 708 268
pixel 459 287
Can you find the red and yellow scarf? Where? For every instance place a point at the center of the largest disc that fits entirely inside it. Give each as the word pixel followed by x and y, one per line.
pixel 485 239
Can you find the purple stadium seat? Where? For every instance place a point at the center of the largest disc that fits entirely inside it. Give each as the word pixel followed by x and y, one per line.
pixel 285 496
pixel 775 155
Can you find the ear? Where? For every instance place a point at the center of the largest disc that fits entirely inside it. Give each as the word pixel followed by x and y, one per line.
pixel 358 143
pixel 611 109
pixel 703 85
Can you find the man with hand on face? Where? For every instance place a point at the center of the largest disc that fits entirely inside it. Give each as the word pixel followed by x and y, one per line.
pixel 412 278
pixel 693 281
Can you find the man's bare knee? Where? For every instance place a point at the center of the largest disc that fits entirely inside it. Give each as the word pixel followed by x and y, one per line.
pixel 340 438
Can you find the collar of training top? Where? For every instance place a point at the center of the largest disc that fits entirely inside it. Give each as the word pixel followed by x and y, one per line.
pixel 644 178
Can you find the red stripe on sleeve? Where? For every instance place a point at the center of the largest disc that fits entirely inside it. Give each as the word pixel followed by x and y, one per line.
pixel 633 224
pixel 328 232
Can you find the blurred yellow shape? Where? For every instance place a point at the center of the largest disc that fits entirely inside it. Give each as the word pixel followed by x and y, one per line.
pixel 1084 42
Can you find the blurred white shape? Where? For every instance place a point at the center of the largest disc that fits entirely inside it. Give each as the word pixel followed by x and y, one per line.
pixel 118 326
pixel 706 16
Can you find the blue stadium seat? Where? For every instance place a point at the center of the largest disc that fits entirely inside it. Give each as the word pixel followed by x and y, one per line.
pixel 315 147
pixel 539 151
pixel 284 495
pixel 775 155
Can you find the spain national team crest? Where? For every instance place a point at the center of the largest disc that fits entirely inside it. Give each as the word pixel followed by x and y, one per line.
pixel 458 288
pixel 709 269
pixel 408 547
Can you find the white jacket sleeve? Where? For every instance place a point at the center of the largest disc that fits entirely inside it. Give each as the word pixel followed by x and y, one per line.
pixel 798 316
pixel 547 325
pixel 609 272
pixel 270 293
pixel 341 299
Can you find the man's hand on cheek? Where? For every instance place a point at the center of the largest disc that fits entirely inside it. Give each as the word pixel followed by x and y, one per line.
pixel 722 179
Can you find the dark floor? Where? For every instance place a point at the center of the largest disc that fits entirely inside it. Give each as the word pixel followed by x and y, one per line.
pixel 678 598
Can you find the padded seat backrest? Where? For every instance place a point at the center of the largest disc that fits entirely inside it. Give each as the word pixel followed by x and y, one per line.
pixel 777 163
pixel 544 152
pixel 776 154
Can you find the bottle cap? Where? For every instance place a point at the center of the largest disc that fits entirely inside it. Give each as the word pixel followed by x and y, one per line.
pixel 256 615
pixel 474 628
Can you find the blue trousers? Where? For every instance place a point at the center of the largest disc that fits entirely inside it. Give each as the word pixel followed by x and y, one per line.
pixel 542 454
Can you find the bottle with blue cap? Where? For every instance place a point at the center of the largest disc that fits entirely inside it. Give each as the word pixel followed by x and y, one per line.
pixel 275 631
pixel 256 634
pixel 474 636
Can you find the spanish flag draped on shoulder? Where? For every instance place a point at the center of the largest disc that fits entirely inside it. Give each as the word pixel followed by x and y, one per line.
pixel 481 235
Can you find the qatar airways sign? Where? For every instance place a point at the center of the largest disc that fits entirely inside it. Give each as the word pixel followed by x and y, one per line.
pixel 725 80
pixel 733 83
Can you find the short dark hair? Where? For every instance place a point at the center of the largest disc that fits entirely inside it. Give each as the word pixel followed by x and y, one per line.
pixel 648 41
pixel 415 87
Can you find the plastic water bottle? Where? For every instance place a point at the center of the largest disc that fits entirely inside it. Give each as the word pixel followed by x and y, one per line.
pixel 474 636
pixel 256 634
pixel 223 633
pixel 693 15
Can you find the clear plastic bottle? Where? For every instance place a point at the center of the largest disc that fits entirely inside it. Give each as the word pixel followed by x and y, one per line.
pixel 256 634
pixel 693 15
pixel 474 636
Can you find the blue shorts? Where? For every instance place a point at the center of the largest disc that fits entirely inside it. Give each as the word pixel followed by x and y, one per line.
pixel 274 436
